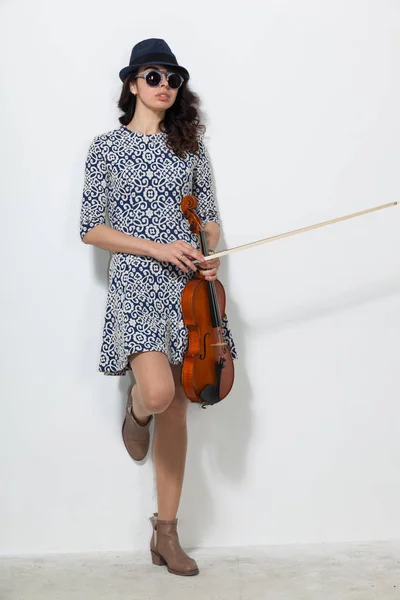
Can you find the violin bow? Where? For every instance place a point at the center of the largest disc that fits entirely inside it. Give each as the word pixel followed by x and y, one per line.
pixel 296 231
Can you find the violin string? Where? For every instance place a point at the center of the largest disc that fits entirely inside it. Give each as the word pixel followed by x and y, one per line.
pixel 211 285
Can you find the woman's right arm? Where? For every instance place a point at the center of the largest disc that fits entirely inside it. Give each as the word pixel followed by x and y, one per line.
pixel 108 238
pixel 93 228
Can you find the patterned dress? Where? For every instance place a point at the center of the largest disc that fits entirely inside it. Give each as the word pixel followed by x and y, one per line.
pixel 138 182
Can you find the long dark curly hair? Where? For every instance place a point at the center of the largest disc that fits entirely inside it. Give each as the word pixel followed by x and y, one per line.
pixel 181 123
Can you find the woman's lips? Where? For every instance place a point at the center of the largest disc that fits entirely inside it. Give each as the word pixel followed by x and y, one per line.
pixel 163 97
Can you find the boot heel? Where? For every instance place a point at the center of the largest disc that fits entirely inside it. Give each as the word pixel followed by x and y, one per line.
pixel 157 560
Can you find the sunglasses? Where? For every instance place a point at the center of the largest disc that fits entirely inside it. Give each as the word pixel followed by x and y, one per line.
pixel 153 78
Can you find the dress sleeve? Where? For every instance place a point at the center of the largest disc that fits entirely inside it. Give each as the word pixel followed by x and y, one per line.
pixel 203 187
pixel 95 189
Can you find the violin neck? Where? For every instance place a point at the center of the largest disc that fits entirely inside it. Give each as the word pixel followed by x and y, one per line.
pixel 212 292
pixel 203 243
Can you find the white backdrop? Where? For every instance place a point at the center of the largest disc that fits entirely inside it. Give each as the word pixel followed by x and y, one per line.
pixel 301 102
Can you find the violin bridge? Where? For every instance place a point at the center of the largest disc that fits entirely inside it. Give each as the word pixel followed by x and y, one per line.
pixel 218 344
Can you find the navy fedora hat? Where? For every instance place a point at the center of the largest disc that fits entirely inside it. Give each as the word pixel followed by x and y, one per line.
pixel 150 52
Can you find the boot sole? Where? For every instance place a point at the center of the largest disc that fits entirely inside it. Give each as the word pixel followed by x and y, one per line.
pixel 158 560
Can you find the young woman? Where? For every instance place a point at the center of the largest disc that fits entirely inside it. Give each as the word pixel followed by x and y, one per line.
pixel 138 174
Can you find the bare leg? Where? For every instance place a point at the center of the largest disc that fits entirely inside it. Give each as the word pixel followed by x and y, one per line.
pixel 158 391
pixel 169 451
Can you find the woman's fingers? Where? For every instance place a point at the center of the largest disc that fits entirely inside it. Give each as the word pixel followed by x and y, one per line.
pixel 210 264
pixel 209 274
pixel 188 252
pixel 185 260
pixel 209 269
pixel 213 264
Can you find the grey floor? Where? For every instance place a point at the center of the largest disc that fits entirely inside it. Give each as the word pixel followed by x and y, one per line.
pixel 323 572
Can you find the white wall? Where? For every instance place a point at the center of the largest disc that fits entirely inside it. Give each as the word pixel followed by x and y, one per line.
pixel 303 125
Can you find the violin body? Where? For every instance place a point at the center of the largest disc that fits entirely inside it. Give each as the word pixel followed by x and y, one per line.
pixel 204 353
pixel 207 371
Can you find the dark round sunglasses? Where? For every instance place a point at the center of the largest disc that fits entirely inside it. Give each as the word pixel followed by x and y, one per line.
pixel 153 78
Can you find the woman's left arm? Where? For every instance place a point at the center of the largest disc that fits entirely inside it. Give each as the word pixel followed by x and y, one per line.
pixel 212 231
pixel 203 190
pixel 209 269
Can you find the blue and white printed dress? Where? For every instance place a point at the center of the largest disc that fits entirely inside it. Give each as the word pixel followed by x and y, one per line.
pixel 138 182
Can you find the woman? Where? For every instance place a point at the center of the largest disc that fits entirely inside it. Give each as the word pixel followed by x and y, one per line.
pixel 138 174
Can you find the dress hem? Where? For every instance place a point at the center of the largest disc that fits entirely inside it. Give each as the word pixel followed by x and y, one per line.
pixel 123 371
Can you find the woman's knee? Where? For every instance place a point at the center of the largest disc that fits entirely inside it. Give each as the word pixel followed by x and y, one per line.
pixel 155 382
pixel 156 397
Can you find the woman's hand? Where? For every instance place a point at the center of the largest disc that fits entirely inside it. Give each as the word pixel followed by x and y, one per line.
pixel 209 269
pixel 179 253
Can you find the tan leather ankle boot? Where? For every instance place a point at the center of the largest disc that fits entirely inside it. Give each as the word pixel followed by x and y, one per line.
pixel 166 549
pixel 136 437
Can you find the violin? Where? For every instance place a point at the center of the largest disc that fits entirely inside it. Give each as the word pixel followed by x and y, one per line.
pixel 207 370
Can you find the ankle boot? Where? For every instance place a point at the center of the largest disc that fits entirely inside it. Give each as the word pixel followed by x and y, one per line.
pixel 166 550
pixel 136 437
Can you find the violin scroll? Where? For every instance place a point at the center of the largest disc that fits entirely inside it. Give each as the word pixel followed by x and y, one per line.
pixel 188 206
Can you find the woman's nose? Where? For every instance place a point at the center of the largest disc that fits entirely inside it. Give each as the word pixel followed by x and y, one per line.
pixel 164 79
